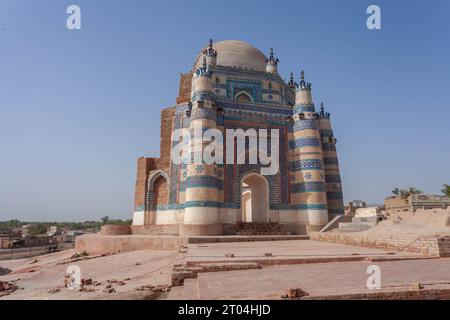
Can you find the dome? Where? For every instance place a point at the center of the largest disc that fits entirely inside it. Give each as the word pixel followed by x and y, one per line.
pixel 237 53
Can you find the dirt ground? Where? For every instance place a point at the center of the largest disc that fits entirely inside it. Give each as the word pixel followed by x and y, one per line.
pixel 420 223
pixel 42 277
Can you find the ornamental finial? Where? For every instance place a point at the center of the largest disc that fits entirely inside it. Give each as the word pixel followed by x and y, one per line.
pixel 303 84
pixel 272 60
pixel 291 82
pixel 204 62
pixel 210 50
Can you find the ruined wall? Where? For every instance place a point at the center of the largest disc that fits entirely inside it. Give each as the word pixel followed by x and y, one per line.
pixel 396 204
pixel 146 166
pixel 161 192
pixel 427 245
pixel 184 94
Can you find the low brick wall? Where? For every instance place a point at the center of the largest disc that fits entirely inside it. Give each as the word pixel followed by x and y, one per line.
pixel 427 245
pixel 99 244
pixel 427 294
pixel 162 229
pixel 115 230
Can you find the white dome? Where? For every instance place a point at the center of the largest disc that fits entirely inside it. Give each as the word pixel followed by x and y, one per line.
pixel 236 53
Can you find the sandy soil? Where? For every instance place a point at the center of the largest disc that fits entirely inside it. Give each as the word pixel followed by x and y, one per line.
pixel 422 222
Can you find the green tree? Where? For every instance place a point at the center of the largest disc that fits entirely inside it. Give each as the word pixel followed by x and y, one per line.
pixel 405 193
pixel 105 219
pixel 396 191
pixel 37 229
pixel 446 190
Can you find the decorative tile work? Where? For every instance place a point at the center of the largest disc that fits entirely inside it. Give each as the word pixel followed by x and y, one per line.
pixel 304 108
pixel 203 113
pixel 331 161
pixel 243 72
pixel 243 115
pixel 219 85
pixel 254 107
pixel 334 195
pixel 326 133
pixel 150 196
pixel 200 95
pixel 307 176
pixel 207 204
pixel 336 211
pixel 306 164
pixel 199 169
pixel 314 186
pixel 305 124
pixel 252 88
pixel 258 114
pixel 326 146
pixel 333 178
pixel 278 184
pixel 267 91
pixel 299 207
pixel 201 181
pixel 304 142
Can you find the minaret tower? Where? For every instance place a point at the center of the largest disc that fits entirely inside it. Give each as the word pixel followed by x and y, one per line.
pixel 272 63
pixel 210 54
pixel 308 190
pixel 201 206
pixel 331 166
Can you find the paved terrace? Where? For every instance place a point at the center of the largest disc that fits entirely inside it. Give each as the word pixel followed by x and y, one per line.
pixel 319 279
pixel 295 250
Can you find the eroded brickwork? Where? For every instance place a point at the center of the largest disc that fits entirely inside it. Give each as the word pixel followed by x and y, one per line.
pixel 184 94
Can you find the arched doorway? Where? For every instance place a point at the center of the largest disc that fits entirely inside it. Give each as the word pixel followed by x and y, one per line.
pixel 160 188
pixel 254 198
pixel 157 190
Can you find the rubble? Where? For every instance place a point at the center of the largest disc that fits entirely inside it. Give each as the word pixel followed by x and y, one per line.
pixel 109 290
pixel 4 271
pixel 54 290
pixel 293 293
pixel 6 288
pixel 417 286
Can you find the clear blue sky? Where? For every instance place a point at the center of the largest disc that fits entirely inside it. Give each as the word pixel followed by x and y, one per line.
pixel 78 107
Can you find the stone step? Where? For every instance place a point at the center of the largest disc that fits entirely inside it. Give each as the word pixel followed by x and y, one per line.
pixel 262 233
pixel 259 228
pixel 190 290
pixel 176 293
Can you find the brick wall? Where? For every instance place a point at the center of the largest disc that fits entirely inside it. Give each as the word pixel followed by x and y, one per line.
pixel 166 136
pixel 146 165
pixel 395 204
pixel 184 94
pixel 161 191
pixel 427 245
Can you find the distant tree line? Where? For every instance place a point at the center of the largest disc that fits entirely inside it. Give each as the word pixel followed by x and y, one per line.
pixel 38 228
pixel 405 193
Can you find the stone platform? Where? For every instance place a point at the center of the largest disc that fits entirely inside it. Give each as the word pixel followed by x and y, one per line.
pixel 95 244
pixel 243 238
pixel 102 244
pixel 430 245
